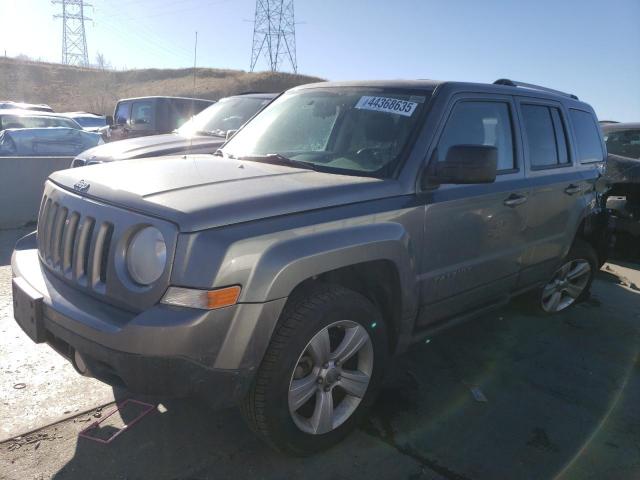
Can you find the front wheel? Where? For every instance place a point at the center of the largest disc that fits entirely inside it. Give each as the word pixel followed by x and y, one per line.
pixel 321 370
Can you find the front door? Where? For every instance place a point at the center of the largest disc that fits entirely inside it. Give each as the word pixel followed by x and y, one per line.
pixel 473 242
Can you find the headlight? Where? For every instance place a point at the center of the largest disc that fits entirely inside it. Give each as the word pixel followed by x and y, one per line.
pixel 147 256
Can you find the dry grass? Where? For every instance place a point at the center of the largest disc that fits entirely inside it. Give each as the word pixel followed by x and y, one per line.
pixel 68 88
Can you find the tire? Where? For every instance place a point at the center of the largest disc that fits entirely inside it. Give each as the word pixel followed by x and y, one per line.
pixel 571 282
pixel 292 359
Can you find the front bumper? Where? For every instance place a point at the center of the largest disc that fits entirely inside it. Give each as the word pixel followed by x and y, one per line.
pixel 164 350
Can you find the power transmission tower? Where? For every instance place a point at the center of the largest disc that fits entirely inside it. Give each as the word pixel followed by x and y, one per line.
pixel 274 34
pixel 74 39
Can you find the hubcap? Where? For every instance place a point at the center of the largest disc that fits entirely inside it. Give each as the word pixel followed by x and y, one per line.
pixel 331 377
pixel 567 285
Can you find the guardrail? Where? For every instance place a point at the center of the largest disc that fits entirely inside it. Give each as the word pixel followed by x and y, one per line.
pixel 21 185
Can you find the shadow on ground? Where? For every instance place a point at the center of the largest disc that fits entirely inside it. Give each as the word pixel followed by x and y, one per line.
pixel 561 401
pixel 8 239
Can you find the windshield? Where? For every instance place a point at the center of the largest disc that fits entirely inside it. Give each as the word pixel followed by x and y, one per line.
pixel 39 121
pixel 625 143
pixel 89 122
pixel 354 130
pixel 227 114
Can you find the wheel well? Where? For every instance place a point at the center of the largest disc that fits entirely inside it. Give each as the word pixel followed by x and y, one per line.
pixel 593 230
pixel 378 281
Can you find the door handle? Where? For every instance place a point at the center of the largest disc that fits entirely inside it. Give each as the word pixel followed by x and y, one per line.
pixel 572 189
pixel 514 200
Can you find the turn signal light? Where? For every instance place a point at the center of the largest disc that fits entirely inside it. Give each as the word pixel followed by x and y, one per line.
pixel 224 297
pixel 204 299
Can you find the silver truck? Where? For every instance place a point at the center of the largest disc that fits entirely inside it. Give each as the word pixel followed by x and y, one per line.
pixel 343 223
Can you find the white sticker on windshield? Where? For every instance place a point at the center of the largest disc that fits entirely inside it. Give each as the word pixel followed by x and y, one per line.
pixel 387 105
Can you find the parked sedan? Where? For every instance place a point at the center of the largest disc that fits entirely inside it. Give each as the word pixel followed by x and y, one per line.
pixel 88 121
pixel 8 104
pixel 50 141
pixel 204 133
pixel 34 119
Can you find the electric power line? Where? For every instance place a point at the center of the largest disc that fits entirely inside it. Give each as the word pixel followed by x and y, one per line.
pixel 274 34
pixel 74 38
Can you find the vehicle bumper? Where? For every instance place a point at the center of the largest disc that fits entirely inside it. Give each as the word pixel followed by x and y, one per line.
pixel 164 351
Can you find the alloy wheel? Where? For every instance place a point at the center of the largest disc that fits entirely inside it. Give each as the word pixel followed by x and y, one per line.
pixel 331 377
pixel 568 283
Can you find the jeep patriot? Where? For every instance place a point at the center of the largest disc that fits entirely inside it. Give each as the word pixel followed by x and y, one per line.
pixel 344 222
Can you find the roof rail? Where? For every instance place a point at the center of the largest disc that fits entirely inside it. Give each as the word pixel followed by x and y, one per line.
pixel 513 83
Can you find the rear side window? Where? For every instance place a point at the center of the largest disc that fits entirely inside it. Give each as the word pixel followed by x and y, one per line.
pixel 123 112
pixel 587 136
pixel 546 140
pixel 480 123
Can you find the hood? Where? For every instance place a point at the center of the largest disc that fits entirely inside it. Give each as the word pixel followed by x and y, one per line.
pixel 151 146
pixel 198 192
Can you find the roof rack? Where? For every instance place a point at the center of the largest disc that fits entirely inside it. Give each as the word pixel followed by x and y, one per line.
pixel 513 83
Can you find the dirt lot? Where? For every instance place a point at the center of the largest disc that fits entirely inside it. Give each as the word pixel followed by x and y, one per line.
pixel 562 396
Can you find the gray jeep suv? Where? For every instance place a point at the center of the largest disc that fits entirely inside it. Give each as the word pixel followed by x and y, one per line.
pixel 341 224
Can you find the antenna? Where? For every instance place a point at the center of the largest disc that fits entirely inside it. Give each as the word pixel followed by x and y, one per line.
pixel 193 102
pixel 274 34
pixel 74 39
pixel 195 56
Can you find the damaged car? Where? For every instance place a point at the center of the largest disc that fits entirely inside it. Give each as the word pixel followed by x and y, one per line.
pixel 622 177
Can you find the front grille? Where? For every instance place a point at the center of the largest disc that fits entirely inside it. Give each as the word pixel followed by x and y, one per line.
pixel 73 245
pixel 84 242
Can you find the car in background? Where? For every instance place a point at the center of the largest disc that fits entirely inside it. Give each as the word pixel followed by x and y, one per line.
pixel 622 139
pixel 204 133
pixel 144 116
pixel 48 141
pixel 8 104
pixel 622 176
pixel 34 119
pixel 92 122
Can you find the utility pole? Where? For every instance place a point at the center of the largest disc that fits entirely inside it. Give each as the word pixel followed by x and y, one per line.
pixel 274 34
pixel 74 38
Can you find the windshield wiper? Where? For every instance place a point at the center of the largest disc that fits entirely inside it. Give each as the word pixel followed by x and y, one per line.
pixel 278 159
pixel 215 133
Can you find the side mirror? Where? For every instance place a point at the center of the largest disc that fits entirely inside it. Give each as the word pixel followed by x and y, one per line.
pixel 109 119
pixel 464 164
pixel 230 133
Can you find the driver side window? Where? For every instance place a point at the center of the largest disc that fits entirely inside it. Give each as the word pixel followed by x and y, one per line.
pixel 480 123
pixel 122 114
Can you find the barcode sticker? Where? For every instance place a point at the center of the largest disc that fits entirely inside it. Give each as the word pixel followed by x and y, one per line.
pixel 387 105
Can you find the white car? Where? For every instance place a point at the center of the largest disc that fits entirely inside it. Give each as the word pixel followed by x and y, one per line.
pixel 88 121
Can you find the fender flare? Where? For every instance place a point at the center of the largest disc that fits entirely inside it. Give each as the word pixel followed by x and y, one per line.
pixel 288 263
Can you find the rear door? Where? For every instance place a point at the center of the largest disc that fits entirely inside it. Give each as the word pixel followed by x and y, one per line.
pixel 557 187
pixel 473 245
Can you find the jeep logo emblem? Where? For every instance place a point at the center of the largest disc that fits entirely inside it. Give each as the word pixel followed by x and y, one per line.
pixel 81 186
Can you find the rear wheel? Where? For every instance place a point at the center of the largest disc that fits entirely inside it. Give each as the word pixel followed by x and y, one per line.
pixel 571 282
pixel 321 371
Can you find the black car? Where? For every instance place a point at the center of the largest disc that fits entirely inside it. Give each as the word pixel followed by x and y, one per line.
pixel 144 116
pixel 204 133
pixel 622 138
pixel 622 177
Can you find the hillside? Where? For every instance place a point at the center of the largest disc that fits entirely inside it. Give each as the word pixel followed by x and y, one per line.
pixel 68 88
